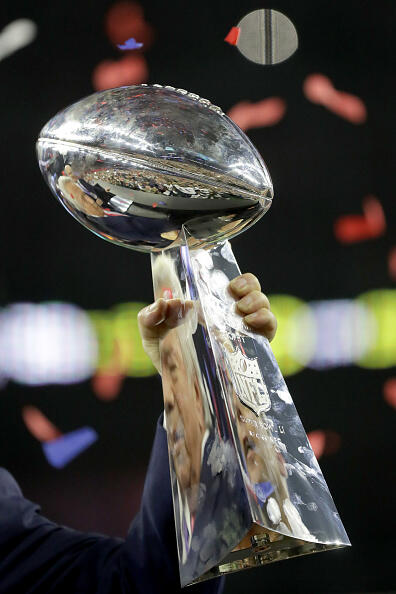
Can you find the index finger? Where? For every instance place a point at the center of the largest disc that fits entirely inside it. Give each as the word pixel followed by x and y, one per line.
pixel 244 284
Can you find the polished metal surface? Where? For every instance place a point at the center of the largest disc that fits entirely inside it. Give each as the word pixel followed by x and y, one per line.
pixel 135 164
pixel 247 488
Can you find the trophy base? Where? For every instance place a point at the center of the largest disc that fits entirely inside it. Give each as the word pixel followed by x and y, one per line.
pixel 260 547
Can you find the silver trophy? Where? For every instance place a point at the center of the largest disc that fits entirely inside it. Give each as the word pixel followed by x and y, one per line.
pixel 160 170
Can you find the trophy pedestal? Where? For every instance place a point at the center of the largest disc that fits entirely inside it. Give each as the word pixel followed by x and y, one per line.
pixel 247 488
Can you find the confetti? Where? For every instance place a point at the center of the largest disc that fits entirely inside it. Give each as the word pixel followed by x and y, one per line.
pixel 38 424
pixel 317 440
pixel 324 442
pixel 232 36
pixel 267 112
pixel 131 69
pixel 16 35
pixel 355 228
pixel 130 44
pixel 107 385
pixel 59 452
pixel 125 20
pixel 318 88
pixel 390 392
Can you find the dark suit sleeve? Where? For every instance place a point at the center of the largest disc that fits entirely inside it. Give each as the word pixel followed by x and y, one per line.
pixel 39 556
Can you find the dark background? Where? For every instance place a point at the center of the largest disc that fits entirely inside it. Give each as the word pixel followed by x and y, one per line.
pixel 321 165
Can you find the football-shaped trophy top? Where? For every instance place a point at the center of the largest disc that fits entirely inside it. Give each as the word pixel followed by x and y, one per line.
pixel 137 164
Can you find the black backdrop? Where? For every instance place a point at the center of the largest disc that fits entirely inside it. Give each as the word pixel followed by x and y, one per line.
pixel 322 166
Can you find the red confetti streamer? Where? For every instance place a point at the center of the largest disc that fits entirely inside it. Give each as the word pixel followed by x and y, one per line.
pixel 38 424
pixel 354 228
pixel 233 35
pixel 317 440
pixel 255 115
pixel 324 442
pixel 131 69
pixel 390 392
pixel 107 385
pixel 124 20
pixel 318 88
pixel 392 263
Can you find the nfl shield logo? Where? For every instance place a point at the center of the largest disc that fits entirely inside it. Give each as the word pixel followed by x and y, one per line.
pixel 248 382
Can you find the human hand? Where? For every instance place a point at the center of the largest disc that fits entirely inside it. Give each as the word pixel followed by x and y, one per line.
pixel 157 319
pixel 253 305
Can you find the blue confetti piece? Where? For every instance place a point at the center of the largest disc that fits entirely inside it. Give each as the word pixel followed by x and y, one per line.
pixel 263 490
pixel 130 44
pixel 64 449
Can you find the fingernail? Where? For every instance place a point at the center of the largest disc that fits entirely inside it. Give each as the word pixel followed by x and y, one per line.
pixel 238 283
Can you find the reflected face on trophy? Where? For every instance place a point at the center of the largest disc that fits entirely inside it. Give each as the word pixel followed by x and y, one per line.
pixel 264 462
pixel 183 410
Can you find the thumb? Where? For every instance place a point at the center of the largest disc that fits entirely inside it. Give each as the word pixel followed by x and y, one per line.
pixel 156 320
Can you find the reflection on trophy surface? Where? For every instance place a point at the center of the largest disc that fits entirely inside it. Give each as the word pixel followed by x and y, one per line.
pixel 234 475
pixel 208 494
pixel 261 453
pixel 188 423
pixel 160 170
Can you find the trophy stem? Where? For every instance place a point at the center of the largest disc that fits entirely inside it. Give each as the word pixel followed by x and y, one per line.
pixel 247 488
